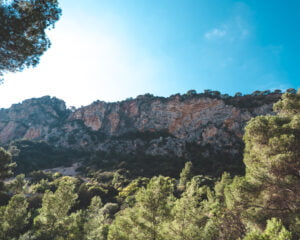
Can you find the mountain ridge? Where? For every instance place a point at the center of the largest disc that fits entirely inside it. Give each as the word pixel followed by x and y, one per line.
pixel 184 127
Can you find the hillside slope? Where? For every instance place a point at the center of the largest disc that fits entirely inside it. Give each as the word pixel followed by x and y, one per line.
pixel 146 135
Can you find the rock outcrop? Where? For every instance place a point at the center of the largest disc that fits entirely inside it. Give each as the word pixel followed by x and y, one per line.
pixel 153 126
pixel 31 119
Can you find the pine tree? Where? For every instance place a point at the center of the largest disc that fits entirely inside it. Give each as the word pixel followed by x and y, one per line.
pixel 272 157
pixel 271 186
pixel 185 175
pixel 144 221
pixel 14 217
pixel 54 221
pixel 188 218
pixel 23 32
pixel 274 231
pixel 19 184
pixel 224 221
pixel 6 166
pixel 95 226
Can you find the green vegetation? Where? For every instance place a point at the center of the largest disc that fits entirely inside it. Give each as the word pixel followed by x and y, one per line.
pixel 263 204
pixel 31 156
pixel 138 164
pixel 22 32
pixel 143 135
pixel 6 164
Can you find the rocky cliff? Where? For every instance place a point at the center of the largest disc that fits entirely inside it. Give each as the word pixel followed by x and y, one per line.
pixel 205 128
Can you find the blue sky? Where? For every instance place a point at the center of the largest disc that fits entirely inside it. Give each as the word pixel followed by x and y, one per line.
pixel 114 49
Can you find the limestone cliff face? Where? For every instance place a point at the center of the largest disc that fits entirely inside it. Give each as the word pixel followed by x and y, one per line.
pixel 182 118
pixel 152 125
pixel 191 118
pixel 32 119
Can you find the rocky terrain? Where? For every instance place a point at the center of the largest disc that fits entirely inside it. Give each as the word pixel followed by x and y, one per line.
pixel 146 132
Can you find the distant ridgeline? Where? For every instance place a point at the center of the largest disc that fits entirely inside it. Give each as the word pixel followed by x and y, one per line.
pixel 147 135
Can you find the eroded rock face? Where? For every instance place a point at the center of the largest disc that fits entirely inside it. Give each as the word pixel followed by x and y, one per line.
pixel 152 125
pixel 31 119
pixel 190 119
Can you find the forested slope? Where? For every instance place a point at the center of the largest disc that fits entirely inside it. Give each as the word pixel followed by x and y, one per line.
pixel 264 203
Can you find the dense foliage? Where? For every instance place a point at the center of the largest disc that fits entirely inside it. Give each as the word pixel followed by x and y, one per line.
pixel 264 204
pixel 22 32
pixel 30 156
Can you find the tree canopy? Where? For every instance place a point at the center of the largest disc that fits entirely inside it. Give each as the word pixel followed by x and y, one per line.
pixel 22 32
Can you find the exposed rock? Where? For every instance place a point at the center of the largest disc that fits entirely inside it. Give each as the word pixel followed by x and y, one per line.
pixel 31 119
pixel 155 126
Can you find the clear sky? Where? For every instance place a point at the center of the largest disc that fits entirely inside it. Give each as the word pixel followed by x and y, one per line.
pixel 114 49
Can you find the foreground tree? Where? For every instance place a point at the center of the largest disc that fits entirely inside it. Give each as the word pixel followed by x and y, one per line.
pixel 145 220
pixel 94 226
pixel 54 220
pixel 13 217
pixel 224 221
pixel 22 32
pixel 187 215
pixel 271 186
pixel 272 156
pixel 274 230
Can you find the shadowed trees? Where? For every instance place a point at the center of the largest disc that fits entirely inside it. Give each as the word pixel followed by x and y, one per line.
pixel 6 166
pixel 22 32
